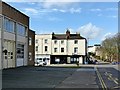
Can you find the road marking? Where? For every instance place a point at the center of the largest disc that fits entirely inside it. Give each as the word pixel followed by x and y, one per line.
pixel 104 87
pixel 111 78
pixel 116 87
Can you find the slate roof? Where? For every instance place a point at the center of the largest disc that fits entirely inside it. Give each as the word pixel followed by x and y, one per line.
pixel 63 36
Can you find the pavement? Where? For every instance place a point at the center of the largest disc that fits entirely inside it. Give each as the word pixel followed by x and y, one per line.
pixel 62 76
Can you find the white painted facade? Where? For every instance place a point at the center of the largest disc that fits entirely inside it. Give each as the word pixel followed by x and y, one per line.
pixel 68 46
pixel 95 49
pixel 41 43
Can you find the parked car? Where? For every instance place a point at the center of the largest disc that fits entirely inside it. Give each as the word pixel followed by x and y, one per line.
pixel 96 62
pixel 114 63
pixel 40 62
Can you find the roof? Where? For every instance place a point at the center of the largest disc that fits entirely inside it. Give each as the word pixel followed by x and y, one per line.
pixel 63 36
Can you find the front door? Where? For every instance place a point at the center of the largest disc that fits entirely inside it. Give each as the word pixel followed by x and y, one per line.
pixel 9 54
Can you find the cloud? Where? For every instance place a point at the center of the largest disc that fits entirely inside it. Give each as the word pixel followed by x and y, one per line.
pixel 73 10
pixel 112 16
pixel 95 10
pixel 31 11
pixel 90 31
pixel 111 9
pixel 53 3
pixel 108 35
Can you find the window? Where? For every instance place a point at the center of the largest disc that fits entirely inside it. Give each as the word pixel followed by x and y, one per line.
pixel 75 49
pixel 62 42
pixel 8 25
pixel 36 40
pixel 20 51
pixel 30 41
pixel 62 49
pixel 46 41
pixel 55 49
pixel 21 30
pixel 55 42
pixel 76 42
pixel 46 48
pixel 36 48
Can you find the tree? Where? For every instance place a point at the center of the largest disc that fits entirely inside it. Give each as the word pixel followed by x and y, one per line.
pixel 110 49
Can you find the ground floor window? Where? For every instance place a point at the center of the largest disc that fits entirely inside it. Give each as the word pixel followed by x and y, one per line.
pixel 20 50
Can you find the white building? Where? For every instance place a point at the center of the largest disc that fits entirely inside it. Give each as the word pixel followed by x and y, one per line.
pixel 94 49
pixel 14 27
pixel 61 48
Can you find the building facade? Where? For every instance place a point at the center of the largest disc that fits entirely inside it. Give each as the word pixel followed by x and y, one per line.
pixel 31 35
pixel 61 48
pixel 14 27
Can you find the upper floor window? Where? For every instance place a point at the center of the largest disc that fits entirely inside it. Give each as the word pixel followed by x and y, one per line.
pixel 55 42
pixel 36 48
pixel 62 49
pixel 30 41
pixel 8 25
pixel 46 48
pixel 76 42
pixel 21 30
pixel 36 41
pixel 76 50
pixel 46 41
pixel 55 49
pixel 62 42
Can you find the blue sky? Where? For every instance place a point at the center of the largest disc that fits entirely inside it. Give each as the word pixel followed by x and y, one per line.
pixel 94 20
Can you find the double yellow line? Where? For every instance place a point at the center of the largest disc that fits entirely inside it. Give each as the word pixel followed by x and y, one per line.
pixel 104 87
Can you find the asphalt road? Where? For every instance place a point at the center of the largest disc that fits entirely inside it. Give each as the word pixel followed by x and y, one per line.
pixel 109 77
pixel 57 77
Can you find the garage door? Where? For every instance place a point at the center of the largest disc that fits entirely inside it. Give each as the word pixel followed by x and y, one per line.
pixel 20 55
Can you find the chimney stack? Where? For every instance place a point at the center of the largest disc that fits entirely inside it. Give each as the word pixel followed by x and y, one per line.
pixel 68 33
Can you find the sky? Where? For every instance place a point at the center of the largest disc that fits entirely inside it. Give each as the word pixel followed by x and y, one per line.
pixel 93 20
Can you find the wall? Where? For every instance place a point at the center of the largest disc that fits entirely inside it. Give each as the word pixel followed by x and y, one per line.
pixel 81 47
pixel 14 14
pixel 58 45
pixel 41 45
pixel 31 47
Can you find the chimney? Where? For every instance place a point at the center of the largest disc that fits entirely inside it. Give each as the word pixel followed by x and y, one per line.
pixel 68 33
pixel 78 33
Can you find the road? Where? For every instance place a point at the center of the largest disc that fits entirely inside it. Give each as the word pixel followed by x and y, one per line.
pixel 86 76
